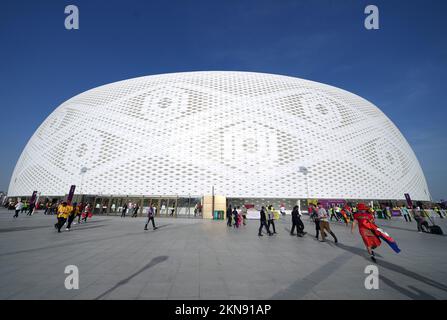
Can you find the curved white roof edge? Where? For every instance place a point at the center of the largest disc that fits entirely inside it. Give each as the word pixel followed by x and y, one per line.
pixel 245 133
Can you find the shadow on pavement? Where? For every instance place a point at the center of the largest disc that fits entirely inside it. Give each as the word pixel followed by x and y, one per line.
pixel 398 269
pixel 70 243
pixel 410 230
pixel 163 225
pixel 152 263
pixel 303 286
pixel 419 295
pixel 24 228
pixel 81 227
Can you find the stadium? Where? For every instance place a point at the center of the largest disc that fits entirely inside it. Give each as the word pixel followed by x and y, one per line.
pixel 183 139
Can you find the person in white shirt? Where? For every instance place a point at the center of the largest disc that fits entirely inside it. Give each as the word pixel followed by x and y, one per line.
pixel 324 223
pixel 18 207
pixel 271 218
pixel 282 209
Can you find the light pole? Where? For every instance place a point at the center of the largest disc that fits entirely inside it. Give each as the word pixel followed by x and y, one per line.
pixel 212 204
pixel 189 205
pixel 83 171
pixel 305 171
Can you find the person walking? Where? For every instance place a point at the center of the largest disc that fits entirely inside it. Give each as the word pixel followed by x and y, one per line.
pixel 405 213
pixel 87 212
pixel 369 231
pixel 63 211
pixel 387 213
pixel 346 213
pixel 239 216
pixel 229 214
pixel 123 211
pixel 282 209
pixel 324 223
pixel 25 207
pixel 196 209
pixel 364 219
pixel 296 222
pixel 314 216
pixel 53 208
pixel 235 218
pixel 244 214
pixel 79 212
pixel 263 221
pixel 135 210
pixel 438 211
pixel 73 214
pixel 337 210
pixel 332 213
pixel 271 218
pixel 47 208
pixel 31 209
pixel 150 218
pixel 421 223
pixel 18 207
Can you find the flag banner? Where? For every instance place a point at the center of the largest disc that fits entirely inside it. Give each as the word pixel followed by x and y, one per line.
pixel 387 238
pixel 409 202
pixel 71 193
pixel 33 197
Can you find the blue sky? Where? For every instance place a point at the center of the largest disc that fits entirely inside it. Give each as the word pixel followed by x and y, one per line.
pixel 402 68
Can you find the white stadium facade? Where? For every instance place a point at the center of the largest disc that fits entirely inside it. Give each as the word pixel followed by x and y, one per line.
pixel 244 135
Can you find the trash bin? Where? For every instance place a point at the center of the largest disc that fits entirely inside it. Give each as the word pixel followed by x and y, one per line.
pixel 218 215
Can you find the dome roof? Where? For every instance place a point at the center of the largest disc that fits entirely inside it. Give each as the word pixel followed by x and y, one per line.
pixel 247 134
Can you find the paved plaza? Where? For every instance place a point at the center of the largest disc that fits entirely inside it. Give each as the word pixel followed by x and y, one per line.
pixel 203 259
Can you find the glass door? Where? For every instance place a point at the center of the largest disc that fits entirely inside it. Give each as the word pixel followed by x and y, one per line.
pixel 172 207
pixel 97 206
pixel 164 207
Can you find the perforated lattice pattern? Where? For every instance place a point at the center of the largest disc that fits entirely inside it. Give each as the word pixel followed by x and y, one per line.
pixel 245 133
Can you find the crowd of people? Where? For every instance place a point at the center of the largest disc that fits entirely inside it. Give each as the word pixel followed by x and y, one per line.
pixel 67 213
pixel 350 215
pixel 64 211
pixel 355 215
pixel 130 208
pixel 345 214
pixel 134 209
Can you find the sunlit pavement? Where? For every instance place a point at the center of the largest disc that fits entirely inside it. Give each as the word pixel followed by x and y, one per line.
pixel 202 259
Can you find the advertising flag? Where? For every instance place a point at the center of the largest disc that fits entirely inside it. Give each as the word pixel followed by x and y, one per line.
pixel 71 193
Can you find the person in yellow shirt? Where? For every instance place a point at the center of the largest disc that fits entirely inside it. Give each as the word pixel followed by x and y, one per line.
pixel 63 211
pixel 73 214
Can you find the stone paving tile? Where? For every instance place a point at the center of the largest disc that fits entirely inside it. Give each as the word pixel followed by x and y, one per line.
pixel 200 259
